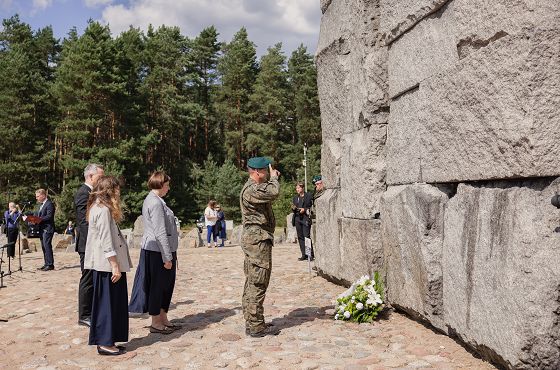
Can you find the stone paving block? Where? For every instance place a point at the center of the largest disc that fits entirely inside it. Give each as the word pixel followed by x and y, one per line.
pixel 501 279
pixel 412 233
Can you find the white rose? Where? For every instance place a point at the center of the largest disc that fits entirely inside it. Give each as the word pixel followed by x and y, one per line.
pixel 353 298
pixel 347 314
pixel 360 306
pixel 336 317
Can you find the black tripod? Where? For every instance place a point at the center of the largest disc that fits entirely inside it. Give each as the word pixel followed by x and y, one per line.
pixel 2 273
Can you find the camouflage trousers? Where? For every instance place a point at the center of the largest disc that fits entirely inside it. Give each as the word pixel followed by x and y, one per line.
pixel 257 268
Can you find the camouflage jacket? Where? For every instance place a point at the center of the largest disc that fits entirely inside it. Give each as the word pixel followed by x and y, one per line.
pixel 256 208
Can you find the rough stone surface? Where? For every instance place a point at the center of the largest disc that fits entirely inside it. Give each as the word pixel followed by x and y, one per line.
pixel 291 232
pixel 362 172
pixel 327 247
pixel 331 153
pixel 361 251
pixel 480 120
pixel 501 279
pixel 460 28
pixel 398 16
pixel 137 233
pixel 468 93
pixel 325 4
pixel 412 234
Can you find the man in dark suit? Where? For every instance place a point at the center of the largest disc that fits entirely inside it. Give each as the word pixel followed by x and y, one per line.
pixel 85 291
pixel 301 206
pixel 46 227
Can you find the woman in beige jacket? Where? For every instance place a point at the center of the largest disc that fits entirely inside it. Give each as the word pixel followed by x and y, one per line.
pixel 107 255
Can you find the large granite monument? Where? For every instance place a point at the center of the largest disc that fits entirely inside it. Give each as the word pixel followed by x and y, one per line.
pixel 441 146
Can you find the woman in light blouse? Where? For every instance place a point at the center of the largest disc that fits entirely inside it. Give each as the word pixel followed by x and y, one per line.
pixel 107 255
pixel 155 278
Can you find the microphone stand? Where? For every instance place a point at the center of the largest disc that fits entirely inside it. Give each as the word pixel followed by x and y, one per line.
pixel 20 268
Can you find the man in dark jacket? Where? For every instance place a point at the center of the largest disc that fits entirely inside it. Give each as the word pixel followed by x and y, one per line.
pixel 301 206
pixel 85 291
pixel 46 227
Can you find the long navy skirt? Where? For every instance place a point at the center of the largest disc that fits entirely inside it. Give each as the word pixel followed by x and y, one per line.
pixel 109 312
pixel 153 284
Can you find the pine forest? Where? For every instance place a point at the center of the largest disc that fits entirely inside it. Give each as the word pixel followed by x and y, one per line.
pixel 195 107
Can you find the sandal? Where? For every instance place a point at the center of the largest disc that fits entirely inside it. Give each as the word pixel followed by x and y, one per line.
pixel 174 326
pixel 165 330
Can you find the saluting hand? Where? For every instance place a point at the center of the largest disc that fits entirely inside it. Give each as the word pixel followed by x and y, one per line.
pixel 273 172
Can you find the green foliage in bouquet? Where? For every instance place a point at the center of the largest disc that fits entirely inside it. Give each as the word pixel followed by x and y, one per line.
pixel 362 302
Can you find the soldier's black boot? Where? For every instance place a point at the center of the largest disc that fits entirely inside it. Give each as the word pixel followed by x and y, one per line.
pixel 269 330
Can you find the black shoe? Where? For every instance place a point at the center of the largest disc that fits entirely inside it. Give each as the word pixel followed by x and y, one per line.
pixel 41 268
pixel 84 322
pixel 271 330
pixel 106 352
pixel 48 268
pixel 302 258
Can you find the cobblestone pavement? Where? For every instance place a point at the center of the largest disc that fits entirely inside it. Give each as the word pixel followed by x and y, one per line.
pixel 42 330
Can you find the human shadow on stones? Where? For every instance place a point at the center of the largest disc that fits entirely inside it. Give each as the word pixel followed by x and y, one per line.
pixel 189 323
pixel 300 316
pixel 69 267
pixel 181 303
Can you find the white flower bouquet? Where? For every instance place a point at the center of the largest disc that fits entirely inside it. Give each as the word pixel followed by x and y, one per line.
pixel 362 302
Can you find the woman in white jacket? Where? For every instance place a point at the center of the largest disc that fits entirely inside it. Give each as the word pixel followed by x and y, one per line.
pixel 107 255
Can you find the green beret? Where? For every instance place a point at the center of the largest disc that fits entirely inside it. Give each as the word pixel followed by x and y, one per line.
pixel 258 162
pixel 316 179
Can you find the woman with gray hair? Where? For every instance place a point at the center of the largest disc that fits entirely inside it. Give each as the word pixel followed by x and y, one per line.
pixel 155 278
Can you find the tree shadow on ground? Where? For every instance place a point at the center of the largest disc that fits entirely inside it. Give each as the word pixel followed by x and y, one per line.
pixel 300 316
pixel 189 323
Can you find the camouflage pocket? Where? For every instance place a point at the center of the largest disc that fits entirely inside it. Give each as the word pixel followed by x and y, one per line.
pixel 260 276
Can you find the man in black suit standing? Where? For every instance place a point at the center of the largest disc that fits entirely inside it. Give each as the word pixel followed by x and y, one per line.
pixel 46 227
pixel 92 172
pixel 301 206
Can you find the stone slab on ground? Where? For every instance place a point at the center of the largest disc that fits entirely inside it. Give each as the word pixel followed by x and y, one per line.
pixel 501 278
pixel 412 234
pixel 42 330
pixel 327 246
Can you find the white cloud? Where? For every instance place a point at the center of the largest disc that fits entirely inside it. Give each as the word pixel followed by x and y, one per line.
pixel 96 3
pixel 39 5
pixel 267 21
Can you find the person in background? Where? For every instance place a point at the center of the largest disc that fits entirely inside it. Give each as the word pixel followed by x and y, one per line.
pixel 108 257
pixel 221 225
pixel 210 218
pixel 155 277
pixel 301 206
pixel 70 230
pixel 11 219
pixel 92 173
pixel 319 190
pixel 46 227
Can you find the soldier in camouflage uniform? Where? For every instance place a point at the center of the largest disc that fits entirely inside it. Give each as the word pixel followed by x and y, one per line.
pixel 319 190
pixel 256 199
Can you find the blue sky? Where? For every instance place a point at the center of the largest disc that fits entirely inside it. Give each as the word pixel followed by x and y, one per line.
pixel 268 21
